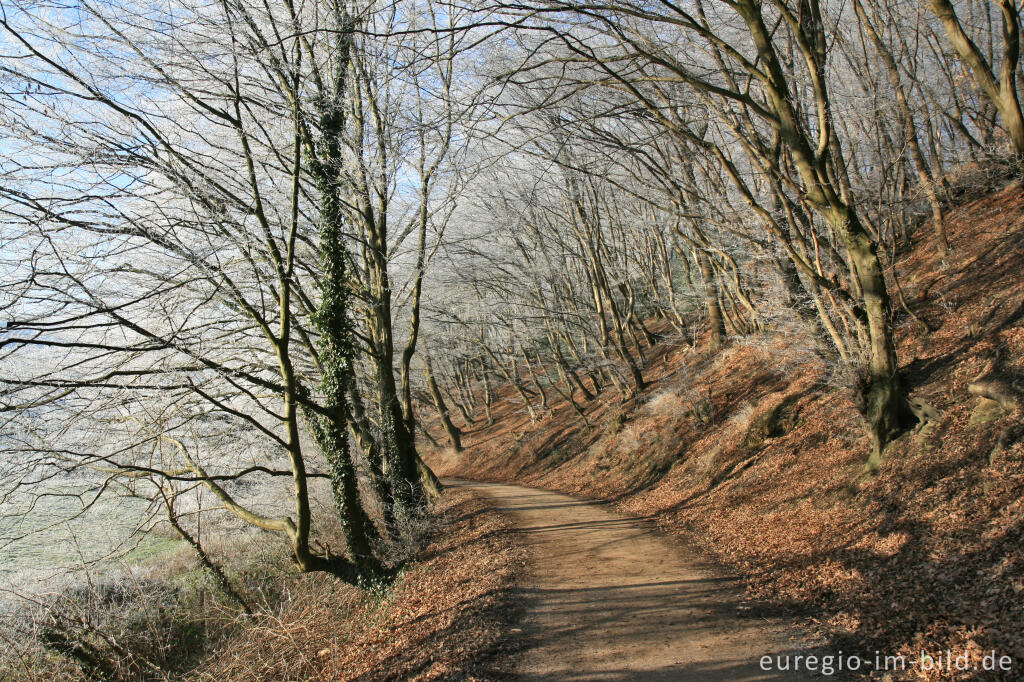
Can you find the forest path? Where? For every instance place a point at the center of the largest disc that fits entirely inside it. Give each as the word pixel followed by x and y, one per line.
pixel 609 598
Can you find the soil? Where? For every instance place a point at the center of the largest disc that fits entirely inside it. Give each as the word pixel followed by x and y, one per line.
pixel 607 597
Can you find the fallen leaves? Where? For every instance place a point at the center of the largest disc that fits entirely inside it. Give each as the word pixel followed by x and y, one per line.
pixel 447 615
pixel 928 555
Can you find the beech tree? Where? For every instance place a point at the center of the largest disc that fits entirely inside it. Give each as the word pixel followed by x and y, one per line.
pixel 1001 90
pixel 770 93
pixel 182 198
pixel 789 143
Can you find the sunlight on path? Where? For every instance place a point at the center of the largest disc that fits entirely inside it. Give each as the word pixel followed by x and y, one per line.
pixel 607 598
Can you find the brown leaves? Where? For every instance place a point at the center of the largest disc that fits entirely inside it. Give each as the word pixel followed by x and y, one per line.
pixel 926 555
pixel 444 617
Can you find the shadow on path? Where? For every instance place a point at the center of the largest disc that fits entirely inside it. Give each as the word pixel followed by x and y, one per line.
pixel 609 598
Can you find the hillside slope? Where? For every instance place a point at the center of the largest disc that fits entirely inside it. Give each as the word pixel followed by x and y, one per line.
pixel 757 454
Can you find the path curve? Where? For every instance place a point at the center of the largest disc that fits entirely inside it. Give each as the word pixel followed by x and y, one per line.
pixel 609 598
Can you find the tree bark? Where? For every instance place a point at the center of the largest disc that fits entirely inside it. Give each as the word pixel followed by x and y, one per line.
pixel 1002 92
pixel 454 434
pixel 716 322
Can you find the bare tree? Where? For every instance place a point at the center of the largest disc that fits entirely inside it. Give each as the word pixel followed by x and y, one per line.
pixel 197 251
pixel 1001 90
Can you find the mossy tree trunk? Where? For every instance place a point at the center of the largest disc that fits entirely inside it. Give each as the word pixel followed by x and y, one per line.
pixel 333 316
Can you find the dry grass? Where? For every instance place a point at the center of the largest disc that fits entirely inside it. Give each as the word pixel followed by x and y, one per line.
pixel 666 403
pixel 127 627
pixel 443 615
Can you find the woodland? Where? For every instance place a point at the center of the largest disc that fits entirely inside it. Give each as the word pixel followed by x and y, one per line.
pixel 269 268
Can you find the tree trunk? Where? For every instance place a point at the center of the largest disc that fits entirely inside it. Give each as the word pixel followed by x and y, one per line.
pixel 715 320
pixel 454 434
pixel 1002 92
pixel 909 132
pixel 885 404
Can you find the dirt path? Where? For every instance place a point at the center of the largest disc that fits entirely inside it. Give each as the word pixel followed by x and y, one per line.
pixel 608 598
